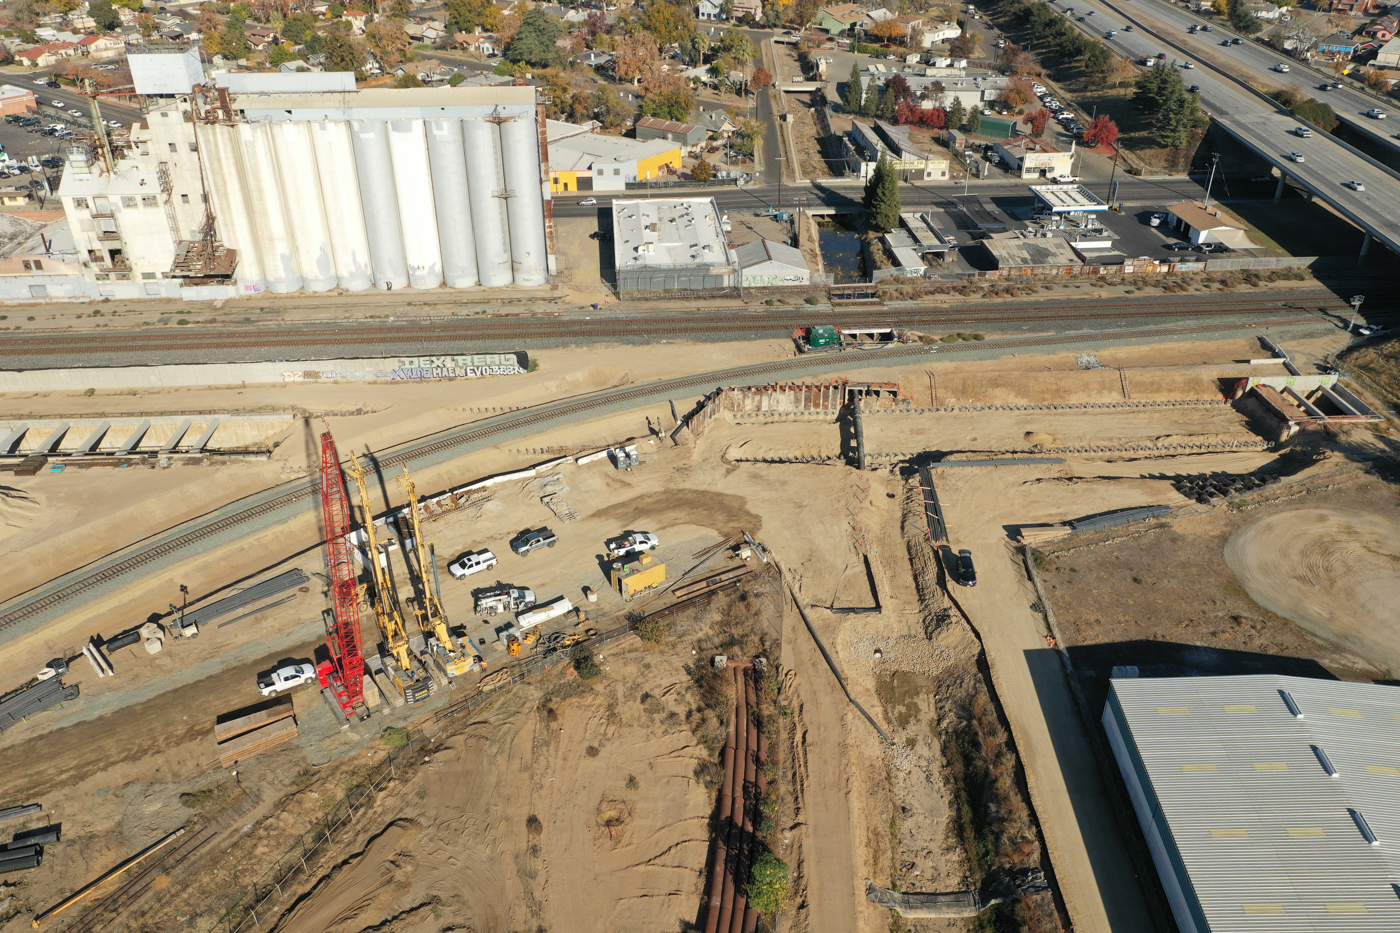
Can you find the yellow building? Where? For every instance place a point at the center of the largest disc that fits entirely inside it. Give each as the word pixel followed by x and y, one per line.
pixel 581 159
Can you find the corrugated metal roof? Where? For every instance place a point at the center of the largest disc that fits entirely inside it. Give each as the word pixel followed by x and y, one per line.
pixel 1270 811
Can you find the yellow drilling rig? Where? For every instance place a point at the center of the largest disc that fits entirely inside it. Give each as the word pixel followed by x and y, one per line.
pixel 442 646
pixel 401 665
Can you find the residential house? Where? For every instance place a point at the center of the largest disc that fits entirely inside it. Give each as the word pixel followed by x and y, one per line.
pixel 14 196
pixel 261 38
pixel 426 33
pixel 581 160
pixel 427 71
pixel 102 48
pixel 686 134
pixel 843 19
pixel 770 264
pixel 1035 158
pixel 1265 11
pixel 1356 7
pixel 934 33
pixel 1199 224
pixel 595 59
pixel 42 56
pixel 481 45
pixel 1383 29
pixel 752 8
pixel 358 20
pixel 716 122
pixel 909 23
pixel 709 11
pixel 1389 55
pixel 1339 43
pixel 879 14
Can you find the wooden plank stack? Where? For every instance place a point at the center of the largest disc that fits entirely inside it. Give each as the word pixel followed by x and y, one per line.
pixel 1038 534
pixel 248 732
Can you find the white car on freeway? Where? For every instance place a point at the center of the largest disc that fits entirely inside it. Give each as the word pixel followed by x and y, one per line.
pixel 1281 68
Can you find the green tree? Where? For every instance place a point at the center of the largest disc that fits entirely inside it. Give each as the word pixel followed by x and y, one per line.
pixel 103 15
pixel 737 45
pixel 470 15
pixel 671 104
pixel 703 171
pixel 974 120
pixel 534 40
pixel 1172 111
pixel 146 24
pixel 343 52
pixel 280 55
pixel 298 27
pixel 336 10
pixel 769 886
pixel 885 111
pixel 1099 61
pixel 1317 113
pixel 134 5
pixel 956 113
pixel 871 102
pixel 853 95
pixel 231 41
pixel 609 108
pixel 667 22
pixel 882 194
pixel 1241 19
pixel 408 80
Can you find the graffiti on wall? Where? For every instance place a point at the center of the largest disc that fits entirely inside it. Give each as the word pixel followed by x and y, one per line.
pixel 466 366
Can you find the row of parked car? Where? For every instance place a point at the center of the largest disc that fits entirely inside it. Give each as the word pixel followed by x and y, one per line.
pixel 1062 115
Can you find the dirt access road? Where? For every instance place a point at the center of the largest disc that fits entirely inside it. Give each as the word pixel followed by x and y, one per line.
pixel 1091 862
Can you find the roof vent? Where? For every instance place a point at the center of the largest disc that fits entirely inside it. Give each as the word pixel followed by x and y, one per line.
pixel 1364 826
pixel 1292 707
pixel 1323 760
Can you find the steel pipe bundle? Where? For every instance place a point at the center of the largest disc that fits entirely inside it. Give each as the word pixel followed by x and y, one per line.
pixel 745 752
pixel 35 699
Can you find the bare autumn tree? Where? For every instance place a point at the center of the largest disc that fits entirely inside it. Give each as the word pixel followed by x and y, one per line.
pixel 761 78
pixel 633 55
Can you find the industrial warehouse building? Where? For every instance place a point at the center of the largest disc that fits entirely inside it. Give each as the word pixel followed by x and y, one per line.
pixel 1269 803
pixel 665 244
pixel 221 192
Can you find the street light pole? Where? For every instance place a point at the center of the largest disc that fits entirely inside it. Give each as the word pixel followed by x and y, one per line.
pixel 1355 310
pixel 1215 160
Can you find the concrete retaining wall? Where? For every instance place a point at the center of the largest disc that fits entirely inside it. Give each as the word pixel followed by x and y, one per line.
pixel 466 366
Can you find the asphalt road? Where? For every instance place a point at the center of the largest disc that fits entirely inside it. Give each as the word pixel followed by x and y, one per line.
pixel 73 100
pixel 1267 130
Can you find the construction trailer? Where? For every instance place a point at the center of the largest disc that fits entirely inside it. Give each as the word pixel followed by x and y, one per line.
pixel 633 577
pixel 821 337
pixel 399 660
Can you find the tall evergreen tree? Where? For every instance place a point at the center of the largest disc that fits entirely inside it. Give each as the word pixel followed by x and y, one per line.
pixel 871 104
pixel 974 120
pixel 886 108
pixel 884 201
pixel 855 91
pixel 956 114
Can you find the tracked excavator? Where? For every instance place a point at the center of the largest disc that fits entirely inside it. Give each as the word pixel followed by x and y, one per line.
pixel 442 646
pixel 401 665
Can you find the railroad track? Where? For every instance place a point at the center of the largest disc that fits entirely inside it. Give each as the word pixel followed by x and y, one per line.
pixel 293 494
pixel 101 914
pixel 741 321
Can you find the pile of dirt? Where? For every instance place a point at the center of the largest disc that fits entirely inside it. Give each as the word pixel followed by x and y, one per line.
pixel 17 507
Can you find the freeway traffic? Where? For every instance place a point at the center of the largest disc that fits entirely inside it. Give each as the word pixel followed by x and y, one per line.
pixel 1327 166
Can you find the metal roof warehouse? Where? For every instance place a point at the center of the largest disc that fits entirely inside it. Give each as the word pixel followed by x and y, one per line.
pixel 1270 804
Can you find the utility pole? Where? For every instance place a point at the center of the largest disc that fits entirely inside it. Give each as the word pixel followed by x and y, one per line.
pixel 1112 175
pixel 1215 160
pixel 1355 310
pixel 780 159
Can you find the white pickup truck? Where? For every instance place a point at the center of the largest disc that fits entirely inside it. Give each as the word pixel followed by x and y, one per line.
pixel 285 678
pixel 634 542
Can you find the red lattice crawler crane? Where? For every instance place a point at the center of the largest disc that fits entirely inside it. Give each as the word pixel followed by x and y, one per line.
pixel 343 676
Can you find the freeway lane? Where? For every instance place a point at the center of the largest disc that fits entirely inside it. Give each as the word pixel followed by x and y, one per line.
pixel 1267 130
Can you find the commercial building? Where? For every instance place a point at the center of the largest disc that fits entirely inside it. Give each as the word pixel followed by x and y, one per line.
pixel 665 244
pixel 1035 158
pixel 863 146
pixel 1268 803
pixel 582 160
pixel 688 135
pixel 311 191
pixel 16 100
pixel 1200 224
pixel 1013 254
pixel 768 263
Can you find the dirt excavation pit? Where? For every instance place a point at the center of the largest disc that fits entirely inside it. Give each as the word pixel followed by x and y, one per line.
pixel 1334 572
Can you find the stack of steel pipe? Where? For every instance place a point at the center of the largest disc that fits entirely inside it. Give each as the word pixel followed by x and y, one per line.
pixel 759 785
pixel 741 830
pixel 721 887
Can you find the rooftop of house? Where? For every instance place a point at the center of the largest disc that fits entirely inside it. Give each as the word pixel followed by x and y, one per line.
pixel 666 126
pixel 761 251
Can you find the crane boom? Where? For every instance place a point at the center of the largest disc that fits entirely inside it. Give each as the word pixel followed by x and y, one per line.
pixel 411 680
pixel 344 674
pixel 431 617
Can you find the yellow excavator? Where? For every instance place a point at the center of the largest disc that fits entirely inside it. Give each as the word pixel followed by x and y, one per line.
pixel 432 620
pixel 401 665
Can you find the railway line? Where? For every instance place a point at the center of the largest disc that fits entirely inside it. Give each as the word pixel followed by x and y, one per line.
pixel 735 321
pixel 284 502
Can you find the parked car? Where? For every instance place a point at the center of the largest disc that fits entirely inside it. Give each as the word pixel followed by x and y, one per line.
pixel 1373 330
pixel 533 540
pixel 1295 157
pixel 1177 247
pixel 588 202
pixel 1212 248
pixel 1354 185
pixel 271 683
pixel 472 562
pixel 967 572
pixel 1194 89
pixel 1156 219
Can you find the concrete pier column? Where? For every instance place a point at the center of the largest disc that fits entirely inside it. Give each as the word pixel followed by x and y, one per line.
pixel 1278 192
pixel 1365 248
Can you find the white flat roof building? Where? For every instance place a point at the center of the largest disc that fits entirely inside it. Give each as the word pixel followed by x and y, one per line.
pixel 1270 804
pixel 665 243
pixel 1067 199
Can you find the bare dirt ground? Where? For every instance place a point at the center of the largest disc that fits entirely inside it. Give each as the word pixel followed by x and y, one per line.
pixel 452 844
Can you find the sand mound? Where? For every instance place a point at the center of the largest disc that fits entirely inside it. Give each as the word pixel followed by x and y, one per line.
pixel 1039 439
pixel 17 507
pixel 1337 574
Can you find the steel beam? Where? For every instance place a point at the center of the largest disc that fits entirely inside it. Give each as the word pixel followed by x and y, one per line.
pixel 135 439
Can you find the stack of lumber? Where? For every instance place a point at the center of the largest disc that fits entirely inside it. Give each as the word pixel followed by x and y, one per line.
pixel 242 734
pixel 1036 534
